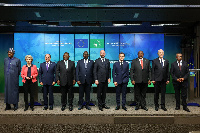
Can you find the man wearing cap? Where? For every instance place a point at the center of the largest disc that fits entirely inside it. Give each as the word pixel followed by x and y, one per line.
pixel 12 68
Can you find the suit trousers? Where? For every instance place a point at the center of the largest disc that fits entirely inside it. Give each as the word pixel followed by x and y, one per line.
pixel 29 86
pixel 64 90
pixel 160 85
pixel 121 88
pixel 101 93
pixel 48 89
pixel 140 93
pixel 86 87
pixel 183 88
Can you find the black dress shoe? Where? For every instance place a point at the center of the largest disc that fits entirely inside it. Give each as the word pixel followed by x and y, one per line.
pixel 32 108
pixel 186 109
pixel 163 108
pixel 25 109
pixel 45 108
pixel 106 107
pixel 136 107
pixel 124 108
pixel 145 108
pixel 80 107
pixel 100 108
pixel 7 108
pixel 15 108
pixel 177 108
pixel 63 108
pixel 156 108
pixel 87 107
pixel 117 108
pixel 51 108
pixel 70 108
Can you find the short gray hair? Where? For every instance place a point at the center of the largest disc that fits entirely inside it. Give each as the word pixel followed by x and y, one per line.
pixel 28 56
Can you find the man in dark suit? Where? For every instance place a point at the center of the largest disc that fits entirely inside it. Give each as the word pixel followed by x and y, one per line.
pixel 140 78
pixel 120 75
pixel 65 77
pixel 180 74
pixel 47 73
pixel 84 78
pixel 102 78
pixel 160 77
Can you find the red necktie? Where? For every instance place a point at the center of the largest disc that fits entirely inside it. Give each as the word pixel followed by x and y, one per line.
pixel 142 64
pixel 180 66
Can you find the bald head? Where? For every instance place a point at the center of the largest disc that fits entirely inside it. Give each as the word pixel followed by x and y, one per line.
pixel 102 53
pixel 160 53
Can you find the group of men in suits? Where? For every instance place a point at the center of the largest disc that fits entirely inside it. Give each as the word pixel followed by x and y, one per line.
pixel 88 72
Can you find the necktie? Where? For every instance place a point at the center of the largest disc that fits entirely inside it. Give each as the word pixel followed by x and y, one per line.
pixel 66 64
pixel 180 66
pixel 121 65
pixel 47 66
pixel 161 63
pixel 142 64
pixel 85 64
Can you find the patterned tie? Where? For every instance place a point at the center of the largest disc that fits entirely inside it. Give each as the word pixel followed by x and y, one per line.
pixel 47 66
pixel 179 66
pixel 142 64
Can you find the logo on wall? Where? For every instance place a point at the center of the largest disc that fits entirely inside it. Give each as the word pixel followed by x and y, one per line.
pixel 81 43
pixel 96 43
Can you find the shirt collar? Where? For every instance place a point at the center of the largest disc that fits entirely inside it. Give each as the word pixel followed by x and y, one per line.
pixel 121 61
pixel 27 65
pixel 102 59
pixel 178 61
pixel 86 60
pixel 48 62
pixel 65 60
pixel 140 59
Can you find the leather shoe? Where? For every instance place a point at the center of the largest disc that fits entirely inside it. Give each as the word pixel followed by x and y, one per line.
pixel 124 108
pixel 163 108
pixel 186 109
pixel 136 107
pixel 70 108
pixel 145 108
pixel 100 108
pixel 156 108
pixel 80 107
pixel 32 108
pixel 63 108
pixel 25 109
pixel 45 108
pixel 51 108
pixel 177 108
pixel 15 108
pixel 106 107
pixel 7 108
pixel 117 108
pixel 87 107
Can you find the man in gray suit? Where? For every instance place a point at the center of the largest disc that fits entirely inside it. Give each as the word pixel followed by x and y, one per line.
pixel 65 77
pixel 140 78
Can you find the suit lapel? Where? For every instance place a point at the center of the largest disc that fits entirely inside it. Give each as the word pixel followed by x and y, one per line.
pixel 138 62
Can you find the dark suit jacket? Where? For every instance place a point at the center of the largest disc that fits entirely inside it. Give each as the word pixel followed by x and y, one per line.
pixel 176 73
pixel 66 76
pixel 102 72
pixel 160 73
pixel 47 77
pixel 138 74
pixel 83 74
pixel 119 75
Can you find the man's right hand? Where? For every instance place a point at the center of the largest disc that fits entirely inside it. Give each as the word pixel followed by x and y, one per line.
pixel 178 80
pixel 96 82
pixel 79 82
pixel 154 82
pixel 133 82
pixel 27 78
pixel 41 83
pixel 115 83
pixel 58 82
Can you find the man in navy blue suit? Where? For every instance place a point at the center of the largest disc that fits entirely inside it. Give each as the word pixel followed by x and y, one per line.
pixel 120 75
pixel 47 79
pixel 84 78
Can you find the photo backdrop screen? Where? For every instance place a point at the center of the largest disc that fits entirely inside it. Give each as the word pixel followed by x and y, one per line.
pixel 39 44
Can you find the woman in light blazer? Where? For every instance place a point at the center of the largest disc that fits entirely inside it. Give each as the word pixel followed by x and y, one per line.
pixel 29 74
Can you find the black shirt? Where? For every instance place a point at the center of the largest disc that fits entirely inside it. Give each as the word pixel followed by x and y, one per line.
pixel 29 70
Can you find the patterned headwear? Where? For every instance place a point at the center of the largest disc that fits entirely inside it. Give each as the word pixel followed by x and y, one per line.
pixel 11 50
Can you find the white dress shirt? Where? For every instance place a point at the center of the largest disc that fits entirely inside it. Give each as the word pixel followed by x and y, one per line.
pixel 140 60
pixel 66 63
pixel 163 61
pixel 48 63
pixel 180 63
